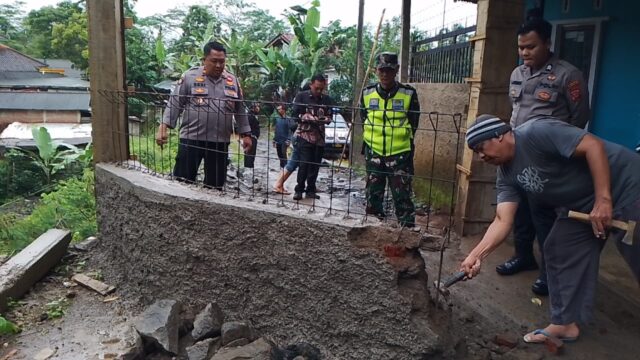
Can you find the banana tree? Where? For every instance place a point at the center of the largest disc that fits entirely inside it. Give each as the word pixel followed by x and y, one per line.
pixel 241 53
pixel 52 156
pixel 287 68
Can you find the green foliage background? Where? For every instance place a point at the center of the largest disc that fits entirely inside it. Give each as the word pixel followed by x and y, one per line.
pixel 70 206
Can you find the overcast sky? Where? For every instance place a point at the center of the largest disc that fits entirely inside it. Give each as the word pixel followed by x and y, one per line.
pixel 425 14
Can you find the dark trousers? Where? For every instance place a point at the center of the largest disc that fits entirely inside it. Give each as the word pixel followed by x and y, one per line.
pixel 282 154
pixel 573 260
pixel 250 157
pixel 310 158
pixel 190 155
pixel 532 222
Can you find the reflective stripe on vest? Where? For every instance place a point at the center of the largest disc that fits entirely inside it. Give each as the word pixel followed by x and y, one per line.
pixel 387 130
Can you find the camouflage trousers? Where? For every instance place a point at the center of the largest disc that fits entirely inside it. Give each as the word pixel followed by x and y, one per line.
pixel 397 170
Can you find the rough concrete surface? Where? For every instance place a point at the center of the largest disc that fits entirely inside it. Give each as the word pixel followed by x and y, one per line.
pixel 296 277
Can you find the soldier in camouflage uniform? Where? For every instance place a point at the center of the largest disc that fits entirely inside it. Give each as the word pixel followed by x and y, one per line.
pixel 390 113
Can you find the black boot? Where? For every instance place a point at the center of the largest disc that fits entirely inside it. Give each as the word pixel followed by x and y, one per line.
pixel 515 265
pixel 540 287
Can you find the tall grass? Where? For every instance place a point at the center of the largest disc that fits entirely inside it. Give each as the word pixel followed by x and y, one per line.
pixel 436 194
pixel 144 149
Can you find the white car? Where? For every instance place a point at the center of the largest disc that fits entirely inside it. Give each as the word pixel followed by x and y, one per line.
pixel 336 137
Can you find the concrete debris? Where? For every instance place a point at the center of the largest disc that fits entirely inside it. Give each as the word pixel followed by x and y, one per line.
pixel 87 244
pixel 257 350
pixel 235 330
pixel 237 343
pixel 208 323
pixel 159 324
pixel 18 275
pixel 126 345
pixel 203 350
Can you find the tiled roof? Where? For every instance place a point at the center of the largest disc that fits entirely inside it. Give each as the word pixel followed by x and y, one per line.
pixel 12 60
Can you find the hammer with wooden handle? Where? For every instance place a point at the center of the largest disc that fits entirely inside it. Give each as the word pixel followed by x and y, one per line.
pixel 628 226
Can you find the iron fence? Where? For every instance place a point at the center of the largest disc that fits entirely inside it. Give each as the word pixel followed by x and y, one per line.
pixel 341 183
pixel 446 58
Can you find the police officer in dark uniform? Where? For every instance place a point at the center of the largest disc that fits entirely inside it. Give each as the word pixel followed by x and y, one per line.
pixel 543 86
pixel 390 113
pixel 207 97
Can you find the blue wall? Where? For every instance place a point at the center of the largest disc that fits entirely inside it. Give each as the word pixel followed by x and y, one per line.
pixel 616 98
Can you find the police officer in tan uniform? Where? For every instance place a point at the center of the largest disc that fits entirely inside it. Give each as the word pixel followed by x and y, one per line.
pixel 543 86
pixel 208 97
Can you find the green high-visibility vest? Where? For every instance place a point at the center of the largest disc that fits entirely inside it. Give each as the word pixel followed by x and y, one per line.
pixel 387 130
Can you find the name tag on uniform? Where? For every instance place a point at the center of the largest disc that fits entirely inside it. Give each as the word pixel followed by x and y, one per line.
pixel 199 90
pixel 374 104
pixel 397 104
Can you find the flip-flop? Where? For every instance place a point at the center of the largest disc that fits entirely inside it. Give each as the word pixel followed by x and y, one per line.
pixel 529 340
pixel 283 192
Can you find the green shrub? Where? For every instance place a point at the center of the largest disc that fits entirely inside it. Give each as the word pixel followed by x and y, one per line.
pixel 19 176
pixel 144 149
pixel 71 206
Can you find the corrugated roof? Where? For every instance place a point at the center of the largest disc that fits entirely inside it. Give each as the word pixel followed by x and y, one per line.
pixel 66 65
pixel 12 60
pixel 45 81
pixel 16 100
pixel 280 39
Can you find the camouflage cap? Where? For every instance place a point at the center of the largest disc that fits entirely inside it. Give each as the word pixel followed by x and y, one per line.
pixel 387 60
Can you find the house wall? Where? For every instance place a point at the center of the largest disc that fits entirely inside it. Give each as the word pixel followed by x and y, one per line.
pixel 37 116
pixel 437 138
pixel 616 109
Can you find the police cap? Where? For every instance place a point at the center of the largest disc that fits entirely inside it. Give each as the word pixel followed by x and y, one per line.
pixel 387 60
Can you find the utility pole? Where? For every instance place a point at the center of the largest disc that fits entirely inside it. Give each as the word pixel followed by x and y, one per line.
pixel 406 41
pixel 356 124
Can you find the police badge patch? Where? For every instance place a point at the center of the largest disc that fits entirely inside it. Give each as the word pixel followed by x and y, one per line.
pixel 374 104
pixel 397 104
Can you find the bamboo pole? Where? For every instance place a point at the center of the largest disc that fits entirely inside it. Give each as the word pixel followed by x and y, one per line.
pixel 366 76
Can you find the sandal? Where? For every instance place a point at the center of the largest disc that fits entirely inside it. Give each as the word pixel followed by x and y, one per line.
pixel 281 191
pixel 529 338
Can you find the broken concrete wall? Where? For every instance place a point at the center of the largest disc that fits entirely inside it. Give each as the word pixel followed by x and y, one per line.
pixel 438 134
pixel 296 276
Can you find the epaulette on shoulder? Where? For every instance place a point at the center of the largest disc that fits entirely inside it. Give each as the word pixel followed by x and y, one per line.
pixel 407 86
pixel 227 74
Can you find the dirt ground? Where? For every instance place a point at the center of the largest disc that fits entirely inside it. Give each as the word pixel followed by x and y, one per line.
pixel 508 303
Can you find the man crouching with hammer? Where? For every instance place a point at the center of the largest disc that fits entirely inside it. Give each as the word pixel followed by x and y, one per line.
pixel 557 165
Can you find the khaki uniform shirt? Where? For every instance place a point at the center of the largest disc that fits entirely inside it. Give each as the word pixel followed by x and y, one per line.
pixel 557 90
pixel 207 106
